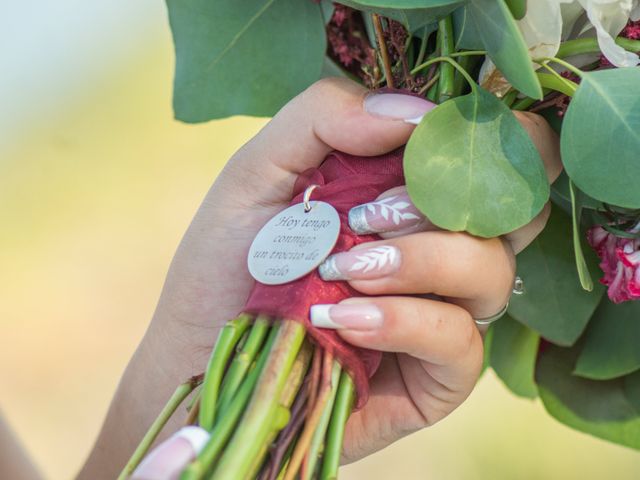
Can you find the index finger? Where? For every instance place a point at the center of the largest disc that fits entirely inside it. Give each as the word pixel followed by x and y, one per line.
pixel 332 114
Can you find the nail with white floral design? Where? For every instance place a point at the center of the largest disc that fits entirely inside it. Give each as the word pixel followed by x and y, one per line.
pixel 385 215
pixel 361 264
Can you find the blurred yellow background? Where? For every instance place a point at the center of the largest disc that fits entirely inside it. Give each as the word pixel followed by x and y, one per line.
pixel 97 185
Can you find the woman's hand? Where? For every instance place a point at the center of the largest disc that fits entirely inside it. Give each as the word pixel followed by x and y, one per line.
pixel 207 283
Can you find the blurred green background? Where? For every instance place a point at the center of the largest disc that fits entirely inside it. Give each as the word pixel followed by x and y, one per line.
pixel 97 185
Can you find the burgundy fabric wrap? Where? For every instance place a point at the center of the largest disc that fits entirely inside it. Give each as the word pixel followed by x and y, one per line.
pixel 344 181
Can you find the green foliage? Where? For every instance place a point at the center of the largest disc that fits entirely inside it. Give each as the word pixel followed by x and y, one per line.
pixel 601 136
pixel 607 409
pixel 466 32
pixel 246 57
pixel 414 14
pixel 513 355
pixel 518 8
pixel 612 342
pixel 470 166
pixel 505 45
pixel 554 304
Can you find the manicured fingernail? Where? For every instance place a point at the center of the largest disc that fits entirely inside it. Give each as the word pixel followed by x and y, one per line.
pixel 168 459
pixel 386 215
pixel 397 106
pixel 361 264
pixel 356 316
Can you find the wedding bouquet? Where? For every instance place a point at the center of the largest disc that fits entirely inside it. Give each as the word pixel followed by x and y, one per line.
pixel 277 392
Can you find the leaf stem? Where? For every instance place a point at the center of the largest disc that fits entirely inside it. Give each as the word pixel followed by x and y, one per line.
pixel 335 435
pixel 455 64
pixel 447 71
pixel 559 61
pixel 313 418
pixel 229 337
pixel 581 264
pixel 382 48
pixel 249 439
pixel 590 45
pixel 174 402
pixel 317 442
pixel 229 417
pixel 242 361
pixel 557 82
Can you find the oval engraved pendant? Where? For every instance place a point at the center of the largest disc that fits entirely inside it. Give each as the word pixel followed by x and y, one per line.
pixel 293 243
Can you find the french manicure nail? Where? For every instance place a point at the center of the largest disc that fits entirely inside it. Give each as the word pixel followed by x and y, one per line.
pixel 397 106
pixel 386 215
pixel 168 459
pixel 355 316
pixel 361 264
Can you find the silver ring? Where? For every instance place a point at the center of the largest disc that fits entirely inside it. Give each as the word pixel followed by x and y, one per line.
pixel 518 289
pixel 307 197
pixel 489 320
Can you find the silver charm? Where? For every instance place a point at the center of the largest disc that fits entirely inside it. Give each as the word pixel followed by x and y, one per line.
pixel 294 242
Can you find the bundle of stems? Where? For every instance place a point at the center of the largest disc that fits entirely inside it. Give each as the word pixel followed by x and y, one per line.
pixel 275 405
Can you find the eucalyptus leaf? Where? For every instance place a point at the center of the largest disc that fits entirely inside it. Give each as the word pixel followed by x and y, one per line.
pixel 414 14
pixel 554 304
pixel 560 189
pixel 600 139
pixel 514 349
pixel 607 409
pixel 471 166
pixel 466 33
pixel 505 45
pixel 246 57
pixel 612 342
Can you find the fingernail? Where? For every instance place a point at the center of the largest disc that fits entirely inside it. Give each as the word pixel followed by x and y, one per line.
pixel 357 316
pixel 397 106
pixel 168 459
pixel 361 264
pixel 386 215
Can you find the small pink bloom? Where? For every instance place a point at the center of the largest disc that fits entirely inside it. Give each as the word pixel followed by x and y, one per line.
pixel 620 262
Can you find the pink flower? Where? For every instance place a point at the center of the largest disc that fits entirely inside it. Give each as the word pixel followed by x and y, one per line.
pixel 620 262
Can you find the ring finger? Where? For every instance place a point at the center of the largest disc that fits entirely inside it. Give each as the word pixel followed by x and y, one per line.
pixel 476 274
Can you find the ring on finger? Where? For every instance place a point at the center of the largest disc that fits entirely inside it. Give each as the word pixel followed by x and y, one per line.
pixel 518 289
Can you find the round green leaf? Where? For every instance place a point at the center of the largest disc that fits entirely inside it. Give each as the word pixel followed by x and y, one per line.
pixel 554 304
pixel 514 349
pixel 612 342
pixel 505 45
pixel 608 409
pixel 600 139
pixel 247 57
pixel 471 166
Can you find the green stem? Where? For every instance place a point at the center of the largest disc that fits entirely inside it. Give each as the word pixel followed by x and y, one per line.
pixel 468 53
pixel 174 402
pixel 242 361
pixel 556 82
pixel 229 417
pixel 510 97
pixel 447 71
pixel 590 45
pixel 229 337
pixel 459 81
pixel 335 435
pixel 455 64
pixel 523 104
pixel 317 442
pixel 581 264
pixel 423 46
pixel 257 423
pixel 567 65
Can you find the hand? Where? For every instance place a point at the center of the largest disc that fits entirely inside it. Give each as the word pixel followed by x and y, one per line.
pixel 198 297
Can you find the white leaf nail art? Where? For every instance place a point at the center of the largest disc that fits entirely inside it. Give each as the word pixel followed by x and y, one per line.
pixel 374 258
pixel 395 209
